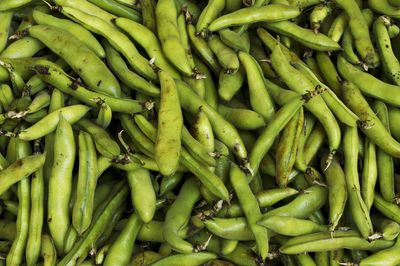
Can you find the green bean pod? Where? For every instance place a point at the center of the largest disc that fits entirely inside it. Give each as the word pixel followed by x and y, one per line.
pixel 142 194
pixel 307 37
pixel 36 217
pixel 267 13
pixel 16 254
pixel 390 210
pixel 290 226
pixel 211 96
pixel 60 183
pixel 359 29
pixel 6 17
pixel 369 174
pixel 338 26
pixel 48 251
pixel 242 118
pixel 170 120
pixel 8 229
pixel 120 251
pixel 222 129
pixel 178 215
pixel 52 74
pixel 185 259
pixel 328 72
pixel 301 84
pixel 201 47
pixel 104 116
pixel 357 206
pixel 105 145
pixel 388 228
pixel 227 57
pixel 118 9
pixel 337 192
pixel 128 77
pixel 197 149
pixel 369 122
pixel 277 123
pixel 148 40
pixel 320 242
pixel 287 148
pixel 76 30
pixel 87 179
pixel 102 216
pixel 148 15
pixel 260 100
pixel 384 160
pixel 167 28
pixel 249 204
pixel 394 113
pixel 116 38
pixel 81 59
pixel 25 47
pixel 20 170
pixel 235 40
pixel 230 84
pixel 384 7
pixel 390 256
pixel 209 14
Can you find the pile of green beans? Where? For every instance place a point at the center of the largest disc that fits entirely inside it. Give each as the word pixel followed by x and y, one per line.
pixel 200 132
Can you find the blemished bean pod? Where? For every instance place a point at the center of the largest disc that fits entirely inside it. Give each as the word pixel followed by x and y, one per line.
pixel 169 130
pixel 167 29
pixel 318 15
pixel 121 250
pixel 178 215
pixel 384 161
pixel 36 215
pixel 301 84
pixel 369 122
pixel 268 13
pixel 287 148
pixel 266 138
pixel 60 182
pixel 143 195
pixel 360 32
pixel 390 63
pixel 260 99
pixel 76 30
pixel 81 59
pixel 48 251
pixel 250 207
pixel 86 185
pixel 19 170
